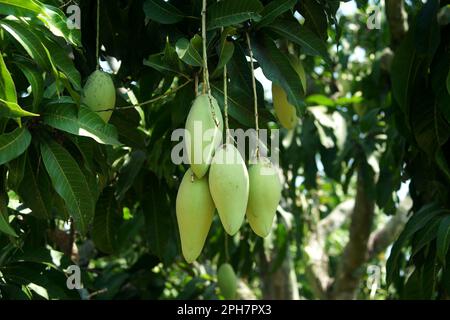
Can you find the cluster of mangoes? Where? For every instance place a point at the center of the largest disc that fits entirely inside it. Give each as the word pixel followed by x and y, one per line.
pixel 220 180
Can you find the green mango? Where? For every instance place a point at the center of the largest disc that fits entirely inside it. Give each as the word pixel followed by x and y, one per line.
pixel 99 94
pixel 195 210
pixel 227 281
pixel 264 196
pixel 229 186
pixel 204 130
pixel 285 112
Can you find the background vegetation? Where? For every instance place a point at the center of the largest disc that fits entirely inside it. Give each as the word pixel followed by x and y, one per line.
pixel 365 210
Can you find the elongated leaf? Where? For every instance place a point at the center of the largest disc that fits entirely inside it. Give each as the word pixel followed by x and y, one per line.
pixel 80 121
pixel 293 31
pixel 7 87
pixel 56 21
pixel 62 61
pixel 277 67
pixel 5 227
pixel 13 110
pixel 13 144
pixel 404 72
pixel 34 77
pixel 157 62
pixel 231 12
pixel 315 17
pixel 69 182
pixel 16 171
pixel 226 51
pixel 30 5
pixel 443 239
pixel 162 11
pixel 106 222
pixel 417 222
pixel 129 172
pixel 35 190
pixel 187 51
pixel 274 9
pixel 31 42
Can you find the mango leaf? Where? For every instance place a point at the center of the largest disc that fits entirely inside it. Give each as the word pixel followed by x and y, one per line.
pixel 188 52
pixel 277 68
pixel 226 51
pixel 5 226
pixel 404 72
pixel 30 41
pixel 315 17
pixel 293 31
pixel 7 87
pixel 231 12
pixel 274 9
pixel 13 110
pixel 129 172
pixel 319 99
pixel 162 11
pixel 56 21
pixel 417 222
pixel 30 5
pixel 16 171
pixel 443 238
pixel 69 182
pixel 61 60
pixel 13 144
pixel 106 222
pixel 157 62
pixel 79 121
pixel 34 77
pixel 35 190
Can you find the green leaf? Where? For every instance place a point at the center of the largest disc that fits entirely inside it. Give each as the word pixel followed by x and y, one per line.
pixel 13 144
pixel 7 87
pixel 34 77
pixel 277 68
pixel 293 31
pixel 30 41
pixel 188 52
pixel 69 182
pixel 226 51
pixel 274 9
pixel 16 171
pixel 106 223
pixel 56 21
pixel 315 17
pixel 443 238
pixel 157 62
pixel 129 172
pixel 61 60
pixel 30 5
pixel 162 11
pixel 5 227
pixel 319 99
pixel 13 110
pixel 404 72
pixel 35 190
pixel 417 222
pixel 232 12
pixel 79 121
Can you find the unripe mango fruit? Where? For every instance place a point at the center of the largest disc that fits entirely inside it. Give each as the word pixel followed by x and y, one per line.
pixel 285 111
pixel 99 94
pixel 264 196
pixel 204 129
pixel 195 209
pixel 229 186
pixel 227 281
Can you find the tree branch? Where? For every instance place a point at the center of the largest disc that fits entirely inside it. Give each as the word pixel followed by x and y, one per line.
pixel 355 253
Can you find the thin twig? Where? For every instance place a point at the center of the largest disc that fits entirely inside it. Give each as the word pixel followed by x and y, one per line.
pixel 168 93
pixel 205 64
pixel 255 96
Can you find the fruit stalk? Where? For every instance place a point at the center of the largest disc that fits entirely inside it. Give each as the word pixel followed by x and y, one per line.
pixel 255 96
pixel 97 39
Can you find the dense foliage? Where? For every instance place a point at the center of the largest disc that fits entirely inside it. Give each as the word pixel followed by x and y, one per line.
pixel 77 190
